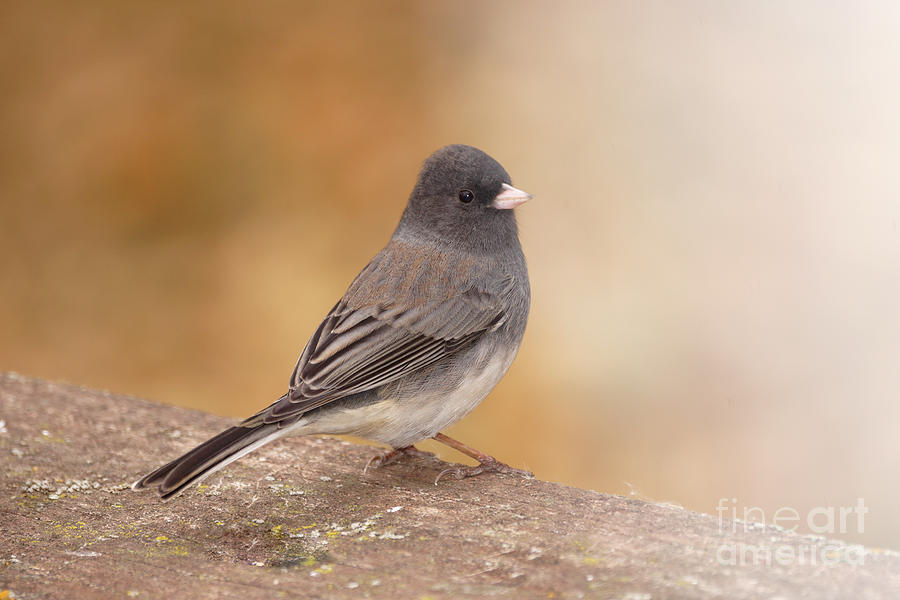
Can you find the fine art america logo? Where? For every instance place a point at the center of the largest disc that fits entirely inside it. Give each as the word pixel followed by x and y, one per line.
pixel 809 550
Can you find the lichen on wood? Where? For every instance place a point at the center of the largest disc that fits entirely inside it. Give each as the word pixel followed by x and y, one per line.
pixel 300 518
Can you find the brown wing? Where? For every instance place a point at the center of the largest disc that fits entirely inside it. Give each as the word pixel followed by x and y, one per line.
pixel 402 313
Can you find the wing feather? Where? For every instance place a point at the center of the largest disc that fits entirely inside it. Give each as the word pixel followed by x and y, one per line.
pixel 386 327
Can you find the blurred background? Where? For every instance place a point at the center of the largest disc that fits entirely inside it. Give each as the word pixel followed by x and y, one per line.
pixel 713 242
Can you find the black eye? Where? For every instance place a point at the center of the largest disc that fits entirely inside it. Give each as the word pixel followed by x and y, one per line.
pixel 466 196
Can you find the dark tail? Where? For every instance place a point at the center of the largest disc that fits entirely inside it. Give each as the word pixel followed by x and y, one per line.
pixel 207 458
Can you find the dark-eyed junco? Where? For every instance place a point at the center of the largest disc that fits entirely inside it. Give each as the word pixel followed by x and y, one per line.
pixel 422 335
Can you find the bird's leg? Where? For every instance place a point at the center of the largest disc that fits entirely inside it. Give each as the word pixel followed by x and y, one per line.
pixel 486 463
pixel 395 454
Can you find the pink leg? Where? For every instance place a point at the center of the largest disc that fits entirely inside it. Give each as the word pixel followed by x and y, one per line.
pixel 487 463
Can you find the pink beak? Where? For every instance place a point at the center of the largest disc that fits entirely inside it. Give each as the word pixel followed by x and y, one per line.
pixel 510 197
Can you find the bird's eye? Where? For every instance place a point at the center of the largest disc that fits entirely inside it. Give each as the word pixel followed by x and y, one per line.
pixel 466 196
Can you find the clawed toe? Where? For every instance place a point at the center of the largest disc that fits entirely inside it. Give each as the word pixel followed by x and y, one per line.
pixel 386 458
pixel 375 462
pixel 490 465
pixel 486 463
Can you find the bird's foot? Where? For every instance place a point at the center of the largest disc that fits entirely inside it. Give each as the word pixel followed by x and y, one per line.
pixel 386 458
pixel 489 464
pixel 486 462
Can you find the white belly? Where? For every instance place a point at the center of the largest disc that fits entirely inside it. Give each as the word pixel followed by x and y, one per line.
pixel 417 416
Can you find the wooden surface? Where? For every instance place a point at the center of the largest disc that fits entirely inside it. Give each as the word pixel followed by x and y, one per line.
pixel 300 519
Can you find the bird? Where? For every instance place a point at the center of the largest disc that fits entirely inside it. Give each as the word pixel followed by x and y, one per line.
pixel 421 336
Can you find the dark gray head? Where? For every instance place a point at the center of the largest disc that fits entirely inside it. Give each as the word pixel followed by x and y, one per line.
pixel 465 198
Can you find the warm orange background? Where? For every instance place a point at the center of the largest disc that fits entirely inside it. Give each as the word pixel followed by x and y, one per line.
pixel 713 243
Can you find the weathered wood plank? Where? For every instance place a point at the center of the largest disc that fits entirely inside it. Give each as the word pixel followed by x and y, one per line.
pixel 300 519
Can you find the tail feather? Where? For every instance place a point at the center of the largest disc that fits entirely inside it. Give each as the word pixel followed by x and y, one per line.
pixel 212 455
